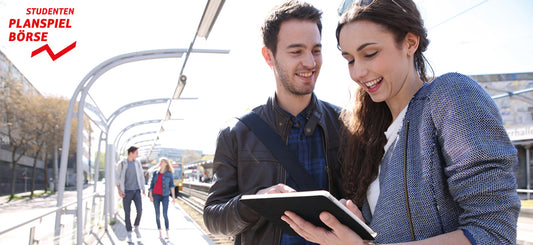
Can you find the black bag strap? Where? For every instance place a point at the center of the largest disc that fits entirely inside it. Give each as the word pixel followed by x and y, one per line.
pixel 280 151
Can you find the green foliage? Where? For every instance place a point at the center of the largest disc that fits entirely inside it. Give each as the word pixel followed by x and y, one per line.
pixel 29 121
pixel 14 197
pixel 101 172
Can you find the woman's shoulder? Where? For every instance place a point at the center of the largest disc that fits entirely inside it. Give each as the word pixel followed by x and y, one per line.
pixel 451 90
pixel 455 85
pixel 455 80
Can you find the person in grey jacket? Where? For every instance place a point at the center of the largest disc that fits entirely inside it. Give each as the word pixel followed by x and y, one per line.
pixel 428 162
pixel 310 128
pixel 130 182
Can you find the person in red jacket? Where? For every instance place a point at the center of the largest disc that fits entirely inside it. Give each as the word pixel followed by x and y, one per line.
pixel 161 186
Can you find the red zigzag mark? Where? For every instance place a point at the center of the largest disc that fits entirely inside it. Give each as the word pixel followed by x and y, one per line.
pixel 51 53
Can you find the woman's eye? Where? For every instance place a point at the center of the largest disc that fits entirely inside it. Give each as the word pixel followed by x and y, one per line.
pixel 371 55
pixel 350 62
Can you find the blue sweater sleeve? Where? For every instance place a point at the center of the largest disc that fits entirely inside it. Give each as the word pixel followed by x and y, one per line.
pixel 479 159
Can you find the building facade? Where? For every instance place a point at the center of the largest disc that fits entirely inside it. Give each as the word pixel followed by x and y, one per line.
pixel 513 93
pixel 10 79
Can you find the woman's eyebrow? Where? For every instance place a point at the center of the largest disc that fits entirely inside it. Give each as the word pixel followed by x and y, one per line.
pixel 364 45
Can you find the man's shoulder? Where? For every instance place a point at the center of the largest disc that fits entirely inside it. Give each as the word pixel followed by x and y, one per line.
pixel 327 107
pixel 121 161
pixel 234 122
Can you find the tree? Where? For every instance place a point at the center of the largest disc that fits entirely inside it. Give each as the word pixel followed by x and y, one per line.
pixel 31 124
pixel 57 111
pixel 191 156
pixel 39 118
pixel 48 115
pixel 14 111
pixel 101 168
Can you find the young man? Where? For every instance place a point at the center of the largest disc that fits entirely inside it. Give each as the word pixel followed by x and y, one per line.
pixel 130 182
pixel 310 127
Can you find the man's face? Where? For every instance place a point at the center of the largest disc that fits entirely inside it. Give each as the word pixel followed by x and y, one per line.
pixel 298 58
pixel 135 154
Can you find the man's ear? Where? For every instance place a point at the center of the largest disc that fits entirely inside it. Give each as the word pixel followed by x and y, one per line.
pixel 268 55
pixel 411 41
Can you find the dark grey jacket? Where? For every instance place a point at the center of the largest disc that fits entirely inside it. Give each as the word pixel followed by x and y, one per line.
pixel 243 165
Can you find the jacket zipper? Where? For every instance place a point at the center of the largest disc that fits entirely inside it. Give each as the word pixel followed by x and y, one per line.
pixel 283 171
pixel 277 231
pixel 330 184
pixel 405 181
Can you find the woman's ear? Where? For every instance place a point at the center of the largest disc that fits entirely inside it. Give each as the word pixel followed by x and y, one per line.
pixel 267 54
pixel 411 42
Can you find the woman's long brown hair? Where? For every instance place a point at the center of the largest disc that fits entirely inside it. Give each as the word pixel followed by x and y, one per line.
pixel 364 144
pixel 368 121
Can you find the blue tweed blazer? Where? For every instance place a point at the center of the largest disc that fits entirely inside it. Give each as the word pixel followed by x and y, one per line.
pixel 450 168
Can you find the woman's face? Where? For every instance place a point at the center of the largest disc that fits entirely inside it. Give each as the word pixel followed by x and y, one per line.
pixel 163 164
pixel 375 61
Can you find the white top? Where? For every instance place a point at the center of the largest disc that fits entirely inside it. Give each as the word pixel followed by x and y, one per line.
pixel 391 134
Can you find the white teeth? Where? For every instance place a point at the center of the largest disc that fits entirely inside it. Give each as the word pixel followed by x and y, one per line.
pixel 305 74
pixel 373 83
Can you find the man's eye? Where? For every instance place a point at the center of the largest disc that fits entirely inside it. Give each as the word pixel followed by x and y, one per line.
pixel 350 62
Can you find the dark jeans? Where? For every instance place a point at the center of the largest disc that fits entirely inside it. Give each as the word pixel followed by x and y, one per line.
pixel 160 199
pixel 134 196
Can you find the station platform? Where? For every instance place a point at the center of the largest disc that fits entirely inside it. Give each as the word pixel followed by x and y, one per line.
pixel 183 230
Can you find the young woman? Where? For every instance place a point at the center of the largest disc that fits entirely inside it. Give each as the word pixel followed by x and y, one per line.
pixel 161 186
pixel 428 162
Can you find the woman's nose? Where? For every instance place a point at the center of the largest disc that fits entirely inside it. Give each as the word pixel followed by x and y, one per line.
pixel 358 72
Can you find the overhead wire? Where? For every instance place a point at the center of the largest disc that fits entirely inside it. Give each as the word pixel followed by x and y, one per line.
pixel 459 14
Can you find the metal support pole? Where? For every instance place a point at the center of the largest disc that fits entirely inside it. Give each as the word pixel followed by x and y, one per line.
pixel 112 190
pixel 109 185
pixel 55 167
pixel 32 236
pixel 79 171
pixel 81 91
pixel 96 175
pixel 528 174
pixel 87 217
pixel 63 168
pixel 97 162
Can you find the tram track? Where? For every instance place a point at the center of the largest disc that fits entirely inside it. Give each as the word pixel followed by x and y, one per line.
pixel 197 207
pixel 193 201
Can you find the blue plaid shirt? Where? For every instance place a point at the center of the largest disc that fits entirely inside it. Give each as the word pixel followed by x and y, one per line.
pixel 310 152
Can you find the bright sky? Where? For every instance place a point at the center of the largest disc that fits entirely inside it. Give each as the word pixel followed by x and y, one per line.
pixel 468 36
